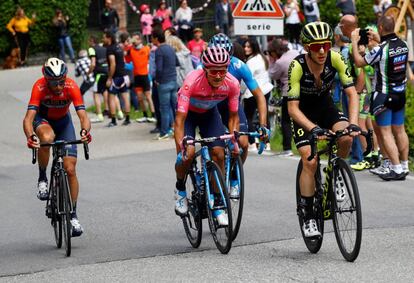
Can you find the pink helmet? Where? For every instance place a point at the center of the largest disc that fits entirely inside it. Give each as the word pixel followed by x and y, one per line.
pixel 215 56
pixel 143 7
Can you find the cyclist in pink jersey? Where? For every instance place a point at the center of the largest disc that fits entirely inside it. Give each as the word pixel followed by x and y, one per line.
pixel 202 90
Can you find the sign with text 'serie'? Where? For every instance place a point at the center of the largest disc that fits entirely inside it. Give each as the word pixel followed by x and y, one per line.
pixel 258 17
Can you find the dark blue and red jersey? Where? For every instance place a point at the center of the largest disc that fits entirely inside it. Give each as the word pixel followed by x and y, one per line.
pixel 51 106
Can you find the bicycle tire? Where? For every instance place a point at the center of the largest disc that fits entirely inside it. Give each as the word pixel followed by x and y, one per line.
pixel 56 219
pixel 312 244
pixel 237 203
pixel 352 205
pixel 222 236
pixel 65 213
pixel 192 221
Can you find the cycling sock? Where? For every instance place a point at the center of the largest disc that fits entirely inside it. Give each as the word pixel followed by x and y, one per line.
pixel 307 202
pixel 179 185
pixel 152 114
pixel 127 117
pixel 404 164
pixel 396 168
pixel 73 214
pixel 113 120
pixel 145 114
pixel 42 174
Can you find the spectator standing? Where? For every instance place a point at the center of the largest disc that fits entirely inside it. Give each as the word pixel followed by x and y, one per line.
pixel 197 45
pixel 82 69
pixel 164 14
pixel 19 27
pixel 146 22
pixel 347 7
pixel 166 82
pixel 388 102
pixel 223 17
pixel 184 20
pixel 293 25
pixel 99 68
pixel 61 22
pixel 258 65
pixel 139 54
pixel 311 10
pixel 109 18
pixel 183 56
pixel 118 80
pixel 280 58
pixel 154 91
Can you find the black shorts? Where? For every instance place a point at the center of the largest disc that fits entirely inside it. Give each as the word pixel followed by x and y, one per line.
pixel 324 119
pixel 100 83
pixel 142 82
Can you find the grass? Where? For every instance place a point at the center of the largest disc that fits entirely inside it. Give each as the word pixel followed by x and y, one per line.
pixel 133 114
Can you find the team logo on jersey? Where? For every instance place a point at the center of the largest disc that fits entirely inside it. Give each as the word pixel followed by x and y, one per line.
pixel 397 51
pixel 186 87
pixel 237 65
pixel 184 98
pixel 400 59
pixel 223 88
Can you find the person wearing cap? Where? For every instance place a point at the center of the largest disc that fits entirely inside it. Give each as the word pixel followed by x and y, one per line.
pixel 146 22
pixel 279 60
pixel 197 45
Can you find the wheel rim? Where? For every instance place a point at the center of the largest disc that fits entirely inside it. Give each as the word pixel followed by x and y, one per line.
pixel 346 212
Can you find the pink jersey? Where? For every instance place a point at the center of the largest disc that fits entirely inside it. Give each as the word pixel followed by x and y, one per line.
pixel 198 96
pixel 146 24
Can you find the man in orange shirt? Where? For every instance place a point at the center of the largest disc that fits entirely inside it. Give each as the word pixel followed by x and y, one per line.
pixel 139 55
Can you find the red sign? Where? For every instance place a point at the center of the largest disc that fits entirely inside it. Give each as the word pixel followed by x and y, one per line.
pixel 258 9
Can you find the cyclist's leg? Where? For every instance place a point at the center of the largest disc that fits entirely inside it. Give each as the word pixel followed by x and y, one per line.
pixel 46 135
pixel 400 134
pixel 243 140
pixel 336 121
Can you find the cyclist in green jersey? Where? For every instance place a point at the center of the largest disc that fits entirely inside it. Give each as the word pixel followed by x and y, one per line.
pixel 312 110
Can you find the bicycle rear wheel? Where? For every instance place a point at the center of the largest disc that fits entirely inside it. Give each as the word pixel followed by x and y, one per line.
pixel 313 244
pixel 222 235
pixel 56 220
pixel 66 208
pixel 236 170
pixel 192 221
pixel 347 218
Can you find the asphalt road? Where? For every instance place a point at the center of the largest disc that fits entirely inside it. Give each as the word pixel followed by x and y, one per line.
pixel 131 231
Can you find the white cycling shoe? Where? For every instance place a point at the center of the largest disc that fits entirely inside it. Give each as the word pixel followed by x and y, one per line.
pixel 340 189
pixel 43 192
pixel 221 217
pixel 181 204
pixel 310 228
pixel 234 189
pixel 77 229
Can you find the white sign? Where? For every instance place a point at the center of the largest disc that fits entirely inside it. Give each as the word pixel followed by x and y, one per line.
pixel 258 26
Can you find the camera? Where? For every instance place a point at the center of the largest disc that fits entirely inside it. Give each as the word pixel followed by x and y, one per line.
pixel 364 37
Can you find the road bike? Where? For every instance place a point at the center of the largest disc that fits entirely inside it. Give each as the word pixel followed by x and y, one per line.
pixel 234 173
pixel 59 204
pixel 206 193
pixel 336 198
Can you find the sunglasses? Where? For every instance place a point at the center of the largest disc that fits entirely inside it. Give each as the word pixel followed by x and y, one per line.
pixel 316 47
pixel 215 73
pixel 55 83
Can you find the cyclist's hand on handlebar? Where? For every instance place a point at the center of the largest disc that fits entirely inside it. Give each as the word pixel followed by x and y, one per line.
pixel 319 133
pixel 183 146
pixel 353 130
pixel 85 136
pixel 234 146
pixel 264 134
pixel 33 142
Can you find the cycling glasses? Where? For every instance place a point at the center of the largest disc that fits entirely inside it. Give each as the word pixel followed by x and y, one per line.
pixel 216 72
pixel 55 83
pixel 317 46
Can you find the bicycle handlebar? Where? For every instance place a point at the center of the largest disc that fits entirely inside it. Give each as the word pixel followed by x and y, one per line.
pixel 313 141
pixel 61 143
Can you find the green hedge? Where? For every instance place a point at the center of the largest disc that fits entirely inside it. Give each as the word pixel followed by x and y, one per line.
pixel 330 13
pixel 409 118
pixel 43 33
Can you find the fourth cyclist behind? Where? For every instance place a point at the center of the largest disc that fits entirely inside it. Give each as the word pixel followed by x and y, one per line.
pixel 311 107
pixel 202 90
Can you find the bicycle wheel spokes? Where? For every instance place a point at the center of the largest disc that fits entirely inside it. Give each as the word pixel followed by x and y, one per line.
pixel 237 175
pixel 347 211
pixel 192 221
pixel 222 234
pixel 55 217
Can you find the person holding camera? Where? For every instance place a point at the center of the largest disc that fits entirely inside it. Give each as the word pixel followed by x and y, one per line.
pixel 390 59
pixel 61 23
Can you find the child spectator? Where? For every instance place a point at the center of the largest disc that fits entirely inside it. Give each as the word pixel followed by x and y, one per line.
pixel 146 22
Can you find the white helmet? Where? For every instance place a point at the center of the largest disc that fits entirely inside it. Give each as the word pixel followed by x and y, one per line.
pixel 54 69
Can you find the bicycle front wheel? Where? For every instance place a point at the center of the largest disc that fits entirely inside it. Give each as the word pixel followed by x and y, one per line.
pixel 192 221
pixel 236 172
pixel 56 220
pixel 222 235
pixel 66 208
pixel 347 218
pixel 313 244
